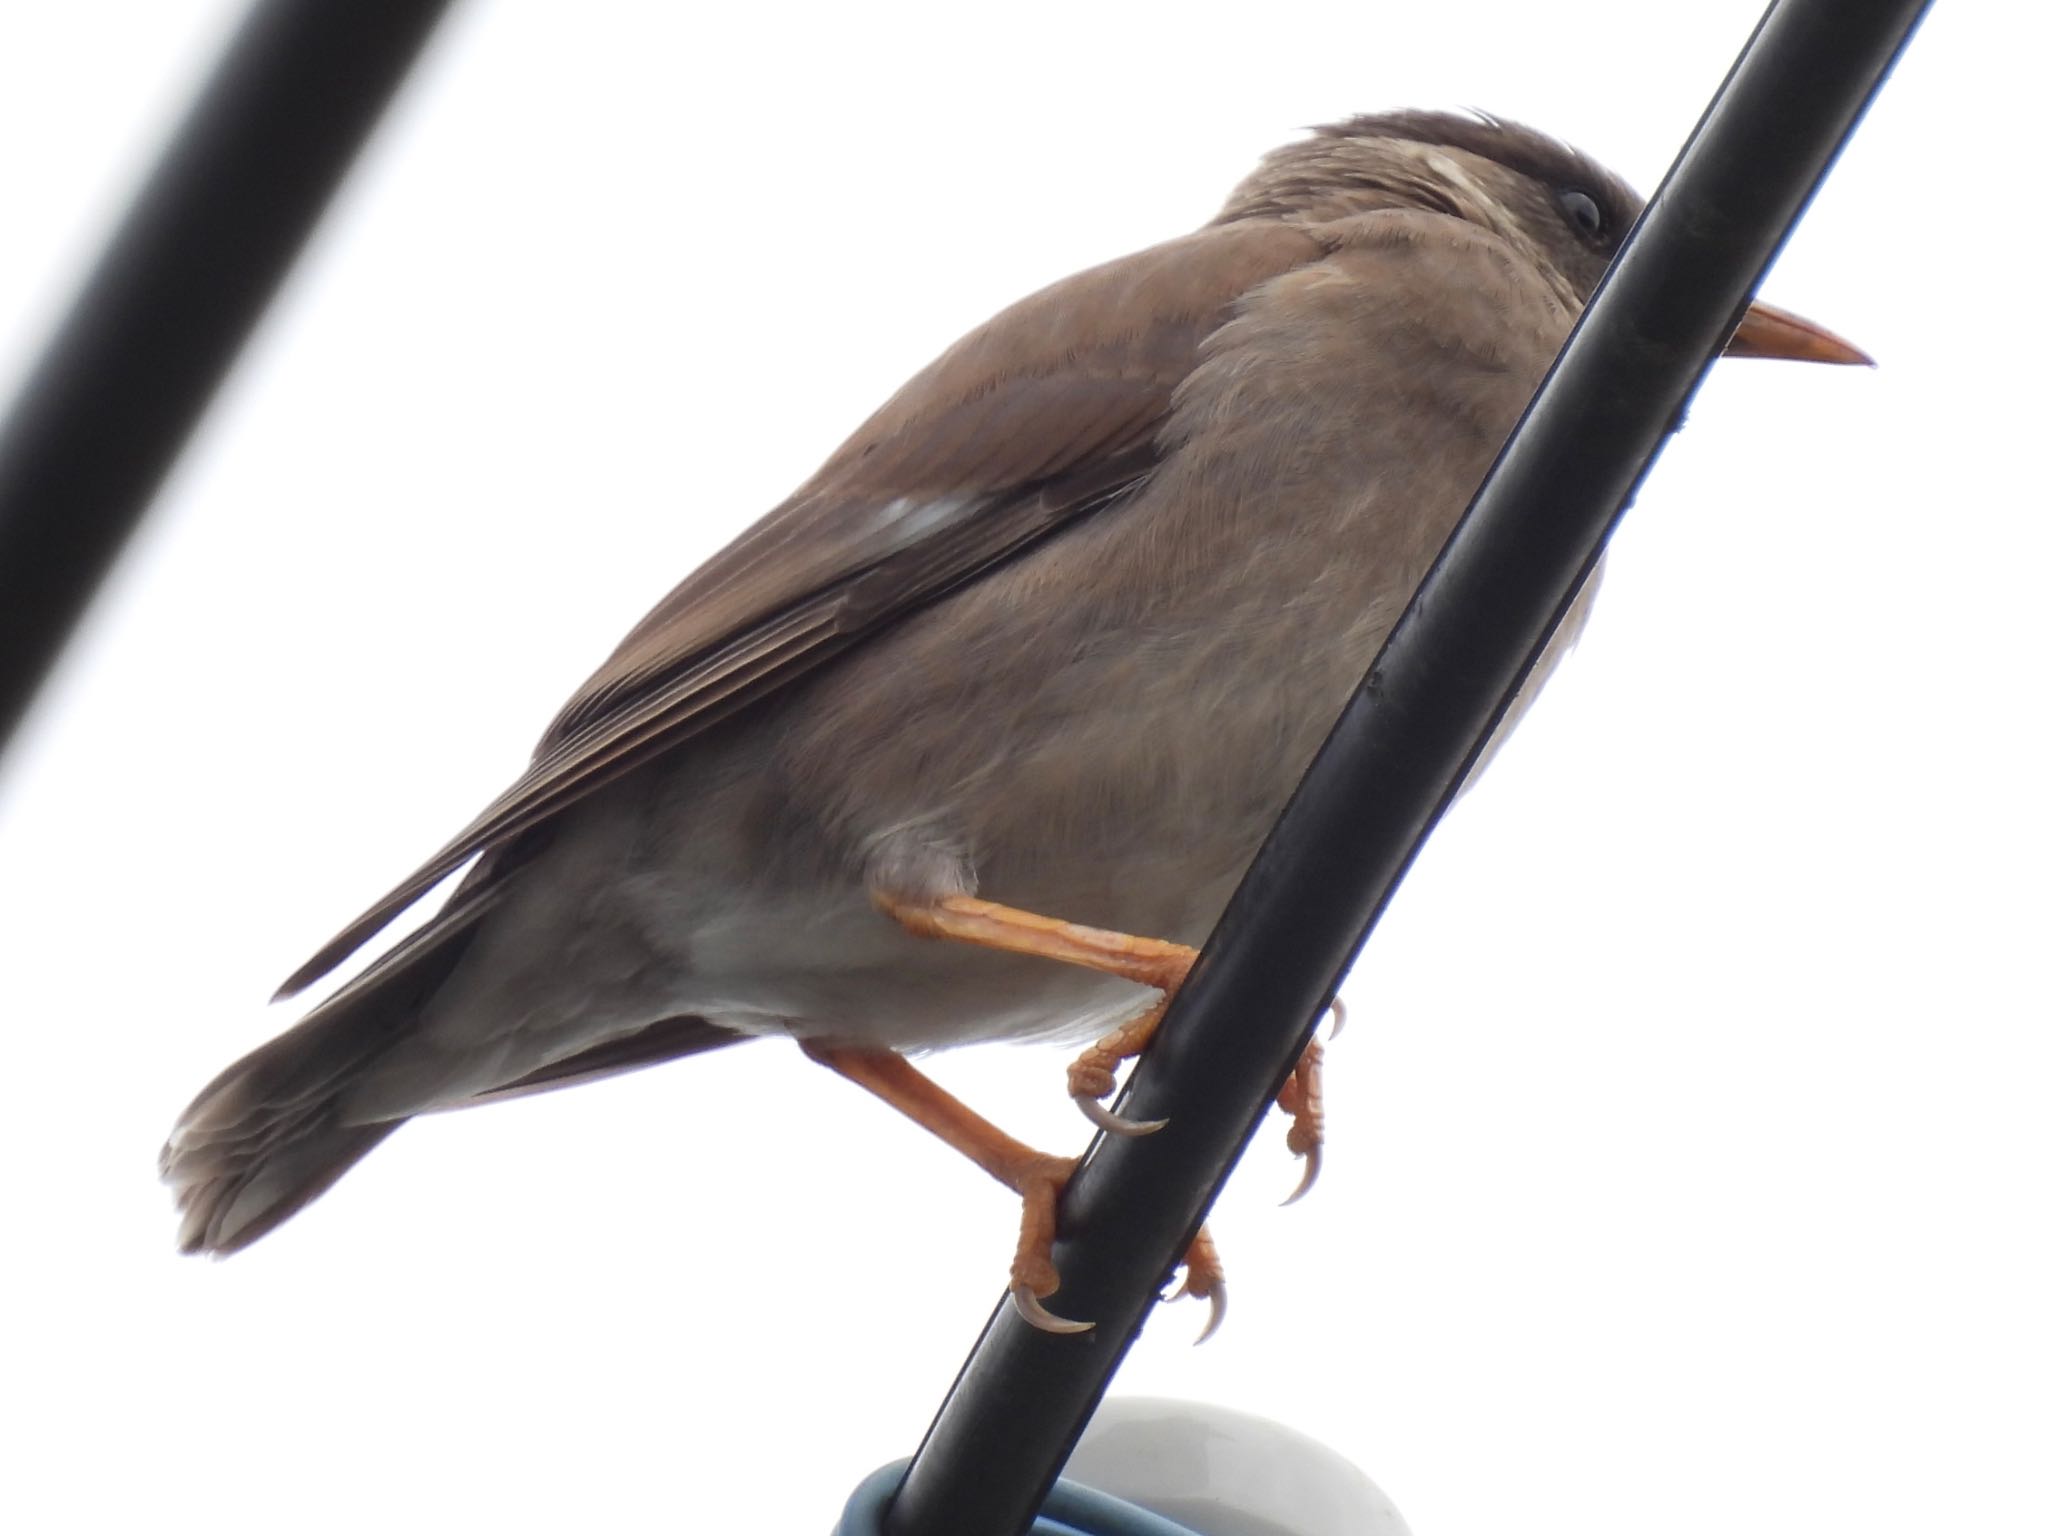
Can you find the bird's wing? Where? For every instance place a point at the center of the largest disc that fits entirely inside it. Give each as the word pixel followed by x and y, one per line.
pixel 1038 417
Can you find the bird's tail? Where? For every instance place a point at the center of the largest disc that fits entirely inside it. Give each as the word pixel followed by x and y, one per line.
pixel 234 1187
pixel 267 1137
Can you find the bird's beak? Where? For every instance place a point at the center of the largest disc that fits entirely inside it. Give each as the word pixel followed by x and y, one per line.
pixel 1768 332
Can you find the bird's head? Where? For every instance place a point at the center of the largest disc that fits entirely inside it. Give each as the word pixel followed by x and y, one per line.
pixel 1561 210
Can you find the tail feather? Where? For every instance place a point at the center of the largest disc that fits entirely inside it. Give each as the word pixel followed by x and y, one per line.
pixel 228 1207
pixel 266 1137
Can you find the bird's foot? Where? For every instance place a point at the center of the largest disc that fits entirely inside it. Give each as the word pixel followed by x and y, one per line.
pixel 1039 1180
pixel 1092 1076
pixel 1150 962
pixel 1037 1177
pixel 1201 1276
pixel 1034 1276
pixel 1301 1099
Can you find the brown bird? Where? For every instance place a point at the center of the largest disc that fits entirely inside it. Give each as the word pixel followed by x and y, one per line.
pixel 1046 643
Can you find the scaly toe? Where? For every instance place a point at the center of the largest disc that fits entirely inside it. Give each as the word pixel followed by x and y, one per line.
pixel 1086 1080
pixel 1032 1272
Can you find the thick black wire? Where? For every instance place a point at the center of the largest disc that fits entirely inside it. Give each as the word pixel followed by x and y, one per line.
pixel 1401 749
pixel 130 369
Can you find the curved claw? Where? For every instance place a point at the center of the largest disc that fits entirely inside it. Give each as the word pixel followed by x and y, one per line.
pixel 1213 1291
pixel 1218 1297
pixel 1313 1158
pixel 1107 1119
pixel 1338 1016
pixel 1033 1311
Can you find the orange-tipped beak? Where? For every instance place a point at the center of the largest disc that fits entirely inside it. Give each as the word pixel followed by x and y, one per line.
pixel 1768 332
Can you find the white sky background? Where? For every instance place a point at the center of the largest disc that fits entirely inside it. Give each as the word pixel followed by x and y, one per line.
pixel 1687 1159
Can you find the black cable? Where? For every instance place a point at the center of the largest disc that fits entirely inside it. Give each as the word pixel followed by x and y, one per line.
pixel 129 371
pixel 1402 747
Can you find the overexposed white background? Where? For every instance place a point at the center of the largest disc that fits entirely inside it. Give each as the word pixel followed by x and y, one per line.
pixel 1687 1158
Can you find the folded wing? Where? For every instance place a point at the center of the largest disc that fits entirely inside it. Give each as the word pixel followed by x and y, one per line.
pixel 1044 414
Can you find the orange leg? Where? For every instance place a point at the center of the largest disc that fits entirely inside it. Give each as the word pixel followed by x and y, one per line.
pixel 1038 1177
pixel 1149 962
pixel 1091 1079
pixel 970 920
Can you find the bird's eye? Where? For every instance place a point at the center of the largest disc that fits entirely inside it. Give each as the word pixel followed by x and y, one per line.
pixel 1583 211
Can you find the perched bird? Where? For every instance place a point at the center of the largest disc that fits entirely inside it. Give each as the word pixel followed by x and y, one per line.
pixel 1046 644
